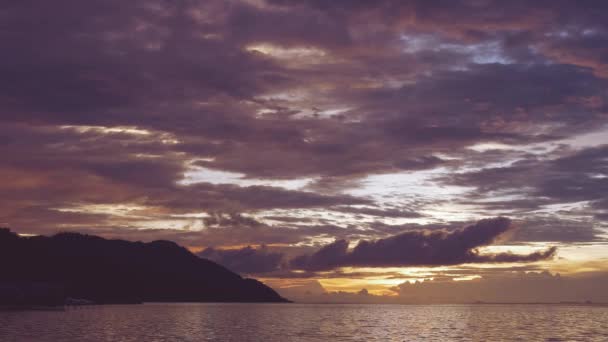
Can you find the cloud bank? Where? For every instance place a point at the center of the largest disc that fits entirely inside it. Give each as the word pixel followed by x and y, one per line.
pixel 420 248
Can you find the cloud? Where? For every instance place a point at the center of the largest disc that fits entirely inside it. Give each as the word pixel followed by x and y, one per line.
pixel 509 287
pixel 109 104
pixel 227 197
pixel 245 260
pixel 393 212
pixel 420 248
pixel 557 229
pixel 506 287
pixel 569 176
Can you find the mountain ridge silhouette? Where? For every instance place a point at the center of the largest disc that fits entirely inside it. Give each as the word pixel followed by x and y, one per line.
pixel 73 265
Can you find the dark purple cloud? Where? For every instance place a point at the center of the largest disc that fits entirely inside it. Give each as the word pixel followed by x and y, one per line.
pixel 392 213
pixel 245 260
pixel 420 248
pixel 571 176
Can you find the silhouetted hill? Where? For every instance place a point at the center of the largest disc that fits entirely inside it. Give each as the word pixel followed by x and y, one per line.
pixel 117 271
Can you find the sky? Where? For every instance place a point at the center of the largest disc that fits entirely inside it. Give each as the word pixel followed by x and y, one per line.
pixel 357 151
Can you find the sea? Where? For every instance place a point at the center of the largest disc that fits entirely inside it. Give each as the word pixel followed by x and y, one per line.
pixel 308 322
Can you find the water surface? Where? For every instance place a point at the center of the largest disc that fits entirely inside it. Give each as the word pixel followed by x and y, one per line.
pixel 308 322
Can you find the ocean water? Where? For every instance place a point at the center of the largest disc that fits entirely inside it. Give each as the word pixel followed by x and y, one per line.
pixel 308 322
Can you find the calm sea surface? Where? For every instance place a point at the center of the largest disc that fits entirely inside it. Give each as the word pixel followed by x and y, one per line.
pixel 308 322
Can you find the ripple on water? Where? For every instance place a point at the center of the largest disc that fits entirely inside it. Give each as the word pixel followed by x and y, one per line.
pixel 308 322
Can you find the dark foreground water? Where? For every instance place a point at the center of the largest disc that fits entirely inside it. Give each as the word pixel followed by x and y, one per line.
pixel 308 322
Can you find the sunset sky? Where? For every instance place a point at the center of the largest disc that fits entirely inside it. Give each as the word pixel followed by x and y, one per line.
pixel 319 146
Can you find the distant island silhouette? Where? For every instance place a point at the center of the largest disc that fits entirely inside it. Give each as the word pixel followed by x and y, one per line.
pixel 76 268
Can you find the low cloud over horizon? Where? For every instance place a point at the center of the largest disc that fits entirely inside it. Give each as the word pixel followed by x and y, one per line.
pixel 420 248
pixel 508 287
